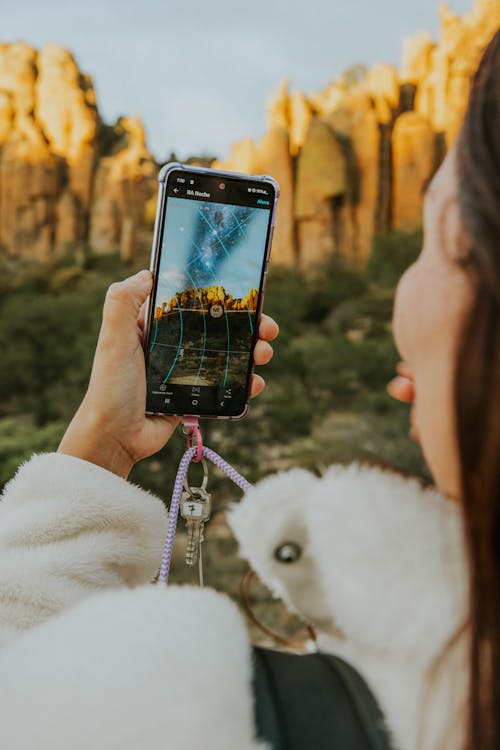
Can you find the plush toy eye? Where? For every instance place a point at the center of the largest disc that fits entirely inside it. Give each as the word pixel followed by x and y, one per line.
pixel 288 552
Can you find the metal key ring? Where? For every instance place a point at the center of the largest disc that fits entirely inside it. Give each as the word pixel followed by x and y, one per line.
pixel 205 477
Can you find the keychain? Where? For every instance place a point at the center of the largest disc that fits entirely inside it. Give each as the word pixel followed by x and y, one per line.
pixel 195 509
pixel 193 502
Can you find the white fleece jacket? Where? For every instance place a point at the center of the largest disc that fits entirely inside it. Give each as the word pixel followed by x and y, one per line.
pixel 381 564
pixel 68 529
pixel 381 575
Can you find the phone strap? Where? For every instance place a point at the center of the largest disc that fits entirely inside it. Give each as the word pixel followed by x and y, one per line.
pixel 193 453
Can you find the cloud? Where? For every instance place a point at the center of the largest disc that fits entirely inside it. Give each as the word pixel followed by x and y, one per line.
pixel 172 277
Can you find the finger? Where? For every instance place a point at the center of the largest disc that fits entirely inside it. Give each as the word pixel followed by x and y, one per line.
pixel 121 308
pixel 257 385
pixel 141 322
pixel 401 388
pixel 268 328
pixel 262 353
pixel 161 428
pixel 141 317
pixel 125 298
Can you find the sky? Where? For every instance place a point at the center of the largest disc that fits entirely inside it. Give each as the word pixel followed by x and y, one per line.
pixel 199 72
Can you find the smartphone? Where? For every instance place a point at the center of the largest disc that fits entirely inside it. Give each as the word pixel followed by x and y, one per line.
pixel 211 246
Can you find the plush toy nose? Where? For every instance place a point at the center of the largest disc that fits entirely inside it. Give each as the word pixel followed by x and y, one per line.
pixel 288 552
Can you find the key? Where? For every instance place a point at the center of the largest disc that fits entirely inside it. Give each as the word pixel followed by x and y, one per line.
pixel 195 509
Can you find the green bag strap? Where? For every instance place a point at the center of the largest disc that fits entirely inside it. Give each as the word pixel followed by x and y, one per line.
pixel 306 701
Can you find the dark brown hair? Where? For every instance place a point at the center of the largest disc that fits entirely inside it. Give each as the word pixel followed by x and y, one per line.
pixel 477 393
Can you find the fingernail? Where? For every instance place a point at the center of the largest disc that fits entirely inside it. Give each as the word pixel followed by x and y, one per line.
pixel 143 275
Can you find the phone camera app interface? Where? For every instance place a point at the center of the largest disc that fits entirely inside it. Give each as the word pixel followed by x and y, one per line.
pixel 207 292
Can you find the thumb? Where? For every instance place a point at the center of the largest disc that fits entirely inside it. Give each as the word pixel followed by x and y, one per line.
pixel 125 298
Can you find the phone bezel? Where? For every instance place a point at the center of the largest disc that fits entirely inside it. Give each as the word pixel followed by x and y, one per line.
pixel 155 259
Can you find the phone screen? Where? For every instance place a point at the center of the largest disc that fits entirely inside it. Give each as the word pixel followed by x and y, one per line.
pixel 213 243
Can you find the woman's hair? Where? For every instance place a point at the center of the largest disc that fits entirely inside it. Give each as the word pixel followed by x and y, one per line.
pixel 477 392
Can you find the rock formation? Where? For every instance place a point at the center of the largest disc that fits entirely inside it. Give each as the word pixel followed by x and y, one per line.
pixel 362 149
pixel 203 298
pixel 414 159
pixel 66 179
pixel 123 183
pixel 351 159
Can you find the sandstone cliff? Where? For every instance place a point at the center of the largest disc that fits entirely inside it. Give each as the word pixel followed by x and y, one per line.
pixel 66 179
pixel 351 159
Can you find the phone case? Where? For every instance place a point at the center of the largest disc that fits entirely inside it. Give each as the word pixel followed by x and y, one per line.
pixel 155 251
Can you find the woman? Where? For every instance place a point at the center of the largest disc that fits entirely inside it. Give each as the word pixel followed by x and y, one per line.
pixel 68 528
pixel 447 327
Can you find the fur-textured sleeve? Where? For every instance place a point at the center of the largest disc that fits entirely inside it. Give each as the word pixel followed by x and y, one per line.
pixel 156 667
pixel 377 564
pixel 374 545
pixel 69 528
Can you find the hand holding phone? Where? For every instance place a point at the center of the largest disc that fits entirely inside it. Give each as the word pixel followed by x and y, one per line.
pixel 110 428
pixel 210 254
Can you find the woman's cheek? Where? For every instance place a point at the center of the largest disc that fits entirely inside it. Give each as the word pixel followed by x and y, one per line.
pixel 404 318
pixel 423 331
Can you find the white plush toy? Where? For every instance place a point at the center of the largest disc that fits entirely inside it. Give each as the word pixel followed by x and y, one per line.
pixel 376 563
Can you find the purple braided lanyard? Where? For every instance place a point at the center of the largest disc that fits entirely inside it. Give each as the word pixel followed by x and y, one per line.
pixel 176 499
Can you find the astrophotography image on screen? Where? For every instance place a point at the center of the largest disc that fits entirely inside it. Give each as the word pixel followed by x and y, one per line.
pixel 204 307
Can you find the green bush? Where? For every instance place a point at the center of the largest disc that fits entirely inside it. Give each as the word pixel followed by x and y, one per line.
pixel 392 252
pixel 329 285
pixel 18 441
